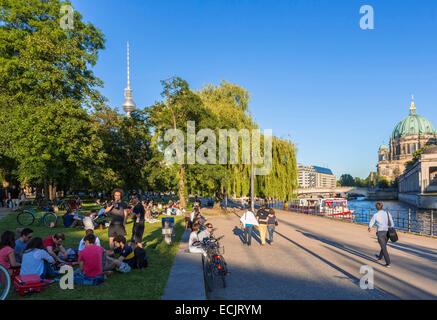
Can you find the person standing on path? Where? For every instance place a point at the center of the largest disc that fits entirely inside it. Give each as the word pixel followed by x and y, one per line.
pixel 118 212
pixel 138 213
pixel 248 221
pixel 262 216
pixel 383 220
pixel 272 222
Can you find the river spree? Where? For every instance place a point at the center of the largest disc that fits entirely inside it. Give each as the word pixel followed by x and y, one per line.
pixel 406 217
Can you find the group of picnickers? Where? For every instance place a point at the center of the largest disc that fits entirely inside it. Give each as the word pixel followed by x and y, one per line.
pixel 264 220
pixel 25 254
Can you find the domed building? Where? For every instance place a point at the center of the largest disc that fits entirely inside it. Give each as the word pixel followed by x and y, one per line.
pixel 409 135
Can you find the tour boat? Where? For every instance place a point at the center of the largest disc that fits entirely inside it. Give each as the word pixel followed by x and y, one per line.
pixel 332 207
pixel 335 207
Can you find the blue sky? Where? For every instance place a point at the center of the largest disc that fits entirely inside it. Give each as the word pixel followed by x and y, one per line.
pixel 314 76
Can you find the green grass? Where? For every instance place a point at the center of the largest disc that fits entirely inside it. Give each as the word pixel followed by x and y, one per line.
pixel 144 284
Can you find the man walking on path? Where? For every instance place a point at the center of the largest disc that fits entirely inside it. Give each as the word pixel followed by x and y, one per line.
pixel 262 216
pixel 248 220
pixel 383 221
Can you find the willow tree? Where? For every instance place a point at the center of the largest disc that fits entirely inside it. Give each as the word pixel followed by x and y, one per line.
pixel 230 105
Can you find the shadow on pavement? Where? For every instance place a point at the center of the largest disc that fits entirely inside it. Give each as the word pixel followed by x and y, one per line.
pixel 338 246
pixel 415 250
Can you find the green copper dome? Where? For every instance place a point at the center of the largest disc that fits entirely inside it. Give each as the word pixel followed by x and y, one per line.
pixel 413 125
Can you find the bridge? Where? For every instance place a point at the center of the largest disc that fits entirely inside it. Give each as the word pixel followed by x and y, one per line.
pixel 321 191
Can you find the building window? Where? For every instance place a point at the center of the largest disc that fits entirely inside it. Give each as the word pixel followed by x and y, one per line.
pixel 433 176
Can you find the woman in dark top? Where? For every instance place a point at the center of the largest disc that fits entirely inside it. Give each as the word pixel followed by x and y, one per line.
pixel 118 212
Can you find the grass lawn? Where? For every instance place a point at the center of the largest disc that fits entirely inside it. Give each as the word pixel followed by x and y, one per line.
pixel 144 284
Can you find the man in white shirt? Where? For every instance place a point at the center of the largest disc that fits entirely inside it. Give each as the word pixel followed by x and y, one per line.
pixel 383 220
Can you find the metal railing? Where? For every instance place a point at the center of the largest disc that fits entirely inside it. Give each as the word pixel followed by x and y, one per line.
pixel 421 222
pixel 424 223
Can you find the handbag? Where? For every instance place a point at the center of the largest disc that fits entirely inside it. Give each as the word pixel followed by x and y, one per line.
pixel 391 233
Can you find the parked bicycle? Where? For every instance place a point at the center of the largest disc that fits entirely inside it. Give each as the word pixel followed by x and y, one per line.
pixel 29 216
pixel 5 283
pixel 214 265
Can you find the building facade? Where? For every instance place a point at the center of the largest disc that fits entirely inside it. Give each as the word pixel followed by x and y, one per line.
pixel 409 135
pixel 418 184
pixel 314 177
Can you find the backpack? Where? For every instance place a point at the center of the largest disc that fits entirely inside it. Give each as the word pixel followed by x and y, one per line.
pixel 140 258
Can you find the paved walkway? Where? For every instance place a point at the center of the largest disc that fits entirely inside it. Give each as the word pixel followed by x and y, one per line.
pixel 318 258
pixel 185 281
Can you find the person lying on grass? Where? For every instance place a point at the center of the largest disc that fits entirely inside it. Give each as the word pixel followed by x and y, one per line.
pixel 126 256
pixel 53 245
pixel 90 271
pixel 7 254
pixel 82 241
pixel 36 260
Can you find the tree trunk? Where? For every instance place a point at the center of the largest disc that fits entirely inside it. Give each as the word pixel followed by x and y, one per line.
pixel 182 201
pixel 46 189
pixel 52 191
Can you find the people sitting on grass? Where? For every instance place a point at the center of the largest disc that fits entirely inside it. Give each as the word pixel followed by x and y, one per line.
pixel 82 241
pixel 36 260
pixel 20 244
pixel 53 245
pixel 90 271
pixel 7 254
pixel 122 258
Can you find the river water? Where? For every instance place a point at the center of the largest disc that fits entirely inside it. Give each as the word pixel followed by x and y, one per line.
pixel 406 217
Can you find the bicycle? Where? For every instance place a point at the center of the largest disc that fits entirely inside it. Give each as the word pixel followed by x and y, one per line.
pixel 27 218
pixel 214 265
pixel 5 283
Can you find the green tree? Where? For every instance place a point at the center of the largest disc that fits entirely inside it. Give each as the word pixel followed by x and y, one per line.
pixel 346 180
pixel 46 87
pixel 383 183
pixel 126 145
pixel 179 106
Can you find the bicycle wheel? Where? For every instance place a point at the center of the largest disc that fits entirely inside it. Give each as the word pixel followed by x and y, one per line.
pixel 223 277
pixel 224 271
pixel 25 218
pixel 50 219
pixel 210 278
pixel 5 283
pixel 207 274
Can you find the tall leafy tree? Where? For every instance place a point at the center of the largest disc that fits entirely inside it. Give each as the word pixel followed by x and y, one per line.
pixel 46 88
pixel 127 149
pixel 180 105
pixel 346 180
